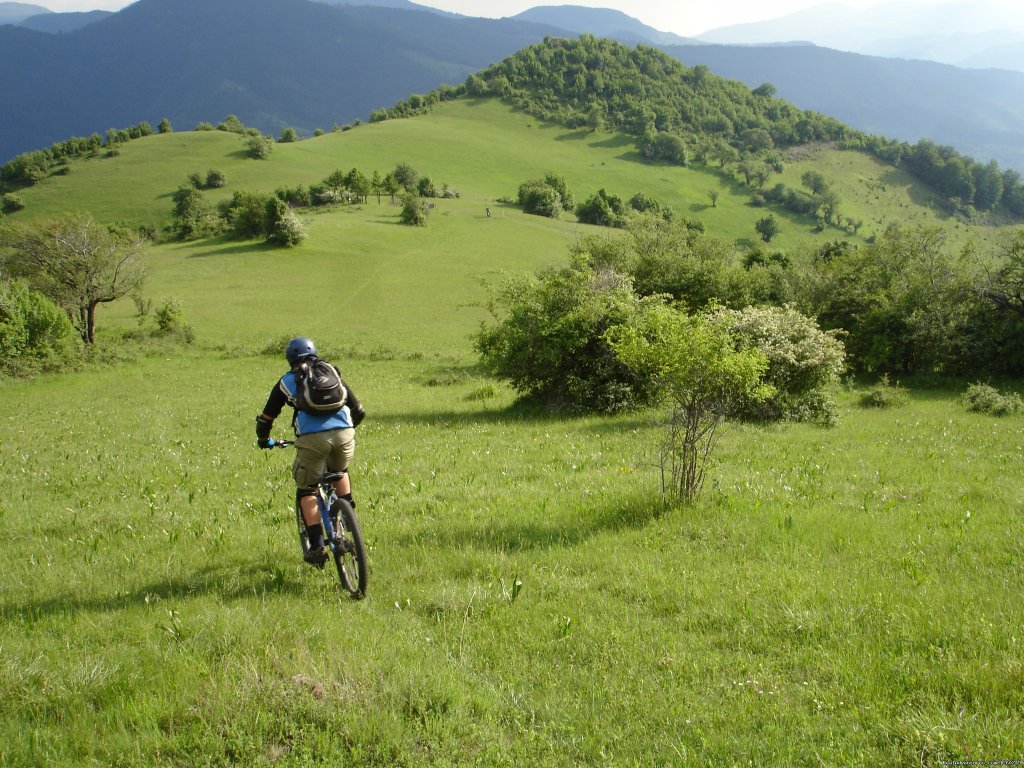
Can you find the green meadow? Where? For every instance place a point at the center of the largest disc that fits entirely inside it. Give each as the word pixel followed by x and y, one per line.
pixel 844 597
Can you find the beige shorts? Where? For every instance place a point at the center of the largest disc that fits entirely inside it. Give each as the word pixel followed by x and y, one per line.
pixel 320 452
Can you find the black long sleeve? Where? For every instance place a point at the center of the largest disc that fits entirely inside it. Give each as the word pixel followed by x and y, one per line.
pixel 354 406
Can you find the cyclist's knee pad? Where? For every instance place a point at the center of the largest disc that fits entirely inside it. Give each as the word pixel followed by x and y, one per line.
pixel 301 493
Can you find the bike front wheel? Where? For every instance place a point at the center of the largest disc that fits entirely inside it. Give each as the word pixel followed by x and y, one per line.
pixel 349 550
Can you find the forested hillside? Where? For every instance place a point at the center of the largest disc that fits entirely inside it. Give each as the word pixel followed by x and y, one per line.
pixel 678 113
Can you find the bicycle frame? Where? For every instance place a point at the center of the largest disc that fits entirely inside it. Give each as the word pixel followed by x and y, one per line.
pixel 342 535
pixel 325 498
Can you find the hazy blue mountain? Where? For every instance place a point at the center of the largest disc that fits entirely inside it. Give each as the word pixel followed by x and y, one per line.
pixel 277 63
pixel 15 13
pixel 273 63
pixel 979 112
pixel 968 33
pixel 57 23
pixel 600 22
pixel 404 4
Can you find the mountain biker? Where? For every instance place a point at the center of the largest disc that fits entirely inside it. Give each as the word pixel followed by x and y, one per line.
pixel 323 441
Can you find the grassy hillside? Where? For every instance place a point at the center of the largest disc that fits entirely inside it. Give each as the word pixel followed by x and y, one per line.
pixel 844 596
pixel 485 150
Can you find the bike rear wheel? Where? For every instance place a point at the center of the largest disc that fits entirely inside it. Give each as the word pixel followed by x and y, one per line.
pixel 349 550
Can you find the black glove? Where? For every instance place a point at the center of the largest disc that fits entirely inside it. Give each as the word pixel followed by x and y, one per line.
pixel 263 428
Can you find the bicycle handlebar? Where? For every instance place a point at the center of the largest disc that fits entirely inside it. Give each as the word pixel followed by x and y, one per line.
pixel 272 443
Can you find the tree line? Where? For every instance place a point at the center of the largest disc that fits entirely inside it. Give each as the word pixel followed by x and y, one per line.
pixel 906 304
pixel 250 215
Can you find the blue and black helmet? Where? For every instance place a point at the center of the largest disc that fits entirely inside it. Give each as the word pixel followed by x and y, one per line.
pixel 299 348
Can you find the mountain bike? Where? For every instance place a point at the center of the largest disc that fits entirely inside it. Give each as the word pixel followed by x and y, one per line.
pixel 341 532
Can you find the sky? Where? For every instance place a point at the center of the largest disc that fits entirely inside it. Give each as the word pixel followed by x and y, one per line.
pixel 683 17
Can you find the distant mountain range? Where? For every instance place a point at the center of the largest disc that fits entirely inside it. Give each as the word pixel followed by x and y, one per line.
pixel 308 65
pixel 966 33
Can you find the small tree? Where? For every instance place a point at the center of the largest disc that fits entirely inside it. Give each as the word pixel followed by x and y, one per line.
pixel 767 228
pixel 696 367
pixel 406 176
pixel 164 126
pixel 391 185
pixel 288 135
pixel 76 263
pixel 414 213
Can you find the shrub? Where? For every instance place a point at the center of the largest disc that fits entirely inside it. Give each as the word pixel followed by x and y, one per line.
pixel 34 332
pixel 297 196
pixel 288 230
pixel 602 209
pixel 537 198
pixel 426 187
pixel 245 214
pixel 259 147
pixel 802 359
pixel 170 321
pixel 194 216
pixel 11 203
pixel 215 179
pixel 884 395
pixel 324 195
pixel 414 213
pixel 549 339
pixel 984 398
pixel 546 197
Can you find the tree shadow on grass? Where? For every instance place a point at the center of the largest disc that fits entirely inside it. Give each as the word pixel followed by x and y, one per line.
pixel 514 414
pixel 225 581
pixel 232 247
pixel 532 531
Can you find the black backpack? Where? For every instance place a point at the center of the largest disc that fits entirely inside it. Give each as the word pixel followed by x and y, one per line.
pixel 318 387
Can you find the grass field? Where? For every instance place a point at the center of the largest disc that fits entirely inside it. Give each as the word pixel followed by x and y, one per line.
pixel 841 597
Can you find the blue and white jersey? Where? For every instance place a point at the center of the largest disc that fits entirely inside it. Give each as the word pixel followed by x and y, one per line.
pixel 306 423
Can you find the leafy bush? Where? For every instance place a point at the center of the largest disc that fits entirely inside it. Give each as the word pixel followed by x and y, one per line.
pixel 803 361
pixel 259 147
pixel 546 197
pixel 215 179
pixel 602 209
pixel 414 213
pixel 245 214
pixel 884 395
pixel 549 339
pixel 11 203
pixel 984 398
pixel 281 225
pixel 194 216
pixel 35 334
pixel 170 321
pixel 287 230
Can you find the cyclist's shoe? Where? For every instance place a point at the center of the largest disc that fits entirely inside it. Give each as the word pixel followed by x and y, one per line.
pixel 316 557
